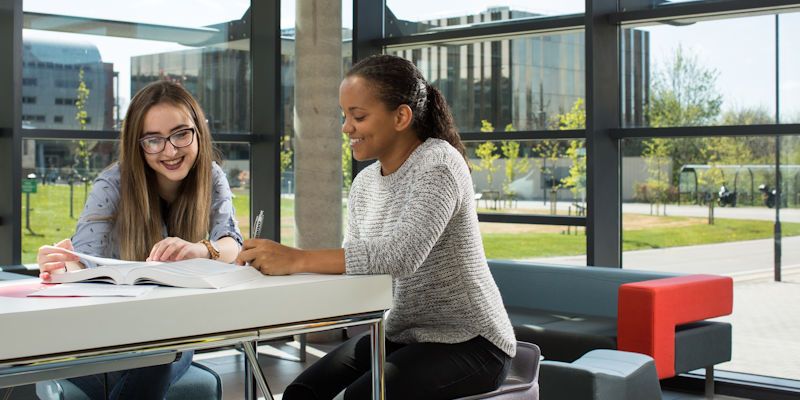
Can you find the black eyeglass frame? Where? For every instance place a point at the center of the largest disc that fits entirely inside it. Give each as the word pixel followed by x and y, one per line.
pixel 164 140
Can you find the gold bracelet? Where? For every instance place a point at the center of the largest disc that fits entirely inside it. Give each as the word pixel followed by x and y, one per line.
pixel 213 252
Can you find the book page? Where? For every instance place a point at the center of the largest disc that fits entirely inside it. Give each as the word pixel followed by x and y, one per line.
pixel 194 273
pixel 99 274
pixel 94 259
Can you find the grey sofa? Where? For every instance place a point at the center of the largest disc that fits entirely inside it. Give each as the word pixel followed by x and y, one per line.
pixel 568 311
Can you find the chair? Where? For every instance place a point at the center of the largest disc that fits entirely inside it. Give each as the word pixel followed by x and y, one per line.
pixel 199 382
pixel 522 382
pixel 601 375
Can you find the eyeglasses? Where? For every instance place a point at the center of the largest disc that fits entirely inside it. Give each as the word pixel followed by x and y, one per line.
pixel 156 144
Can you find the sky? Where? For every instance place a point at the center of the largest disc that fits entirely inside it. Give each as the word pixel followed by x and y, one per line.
pixel 741 50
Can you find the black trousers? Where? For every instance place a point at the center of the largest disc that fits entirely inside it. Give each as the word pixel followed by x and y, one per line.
pixel 412 371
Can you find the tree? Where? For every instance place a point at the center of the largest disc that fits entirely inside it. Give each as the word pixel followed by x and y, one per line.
pixel 487 156
pixel 81 163
pixel 548 150
pixel 753 149
pixel 286 157
pixel 514 165
pixel 347 162
pixel 287 154
pixel 747 116
pixel 683 93
pixel 656 154
pixel 80 166
pixel 575 119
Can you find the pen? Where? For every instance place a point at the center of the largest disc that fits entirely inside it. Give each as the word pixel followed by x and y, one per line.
pixel 258 224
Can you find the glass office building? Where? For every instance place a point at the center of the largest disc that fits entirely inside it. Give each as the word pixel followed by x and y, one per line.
pixel 637 134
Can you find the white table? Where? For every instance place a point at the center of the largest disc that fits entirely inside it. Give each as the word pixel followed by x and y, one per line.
pixel 49 338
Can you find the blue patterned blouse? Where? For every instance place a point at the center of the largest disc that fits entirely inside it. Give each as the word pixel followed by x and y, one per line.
pixel 95 234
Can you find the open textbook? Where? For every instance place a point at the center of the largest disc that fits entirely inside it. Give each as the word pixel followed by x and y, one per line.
pixel 194 273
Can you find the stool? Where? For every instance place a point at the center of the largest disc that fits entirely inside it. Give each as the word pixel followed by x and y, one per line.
pixel 199 382
pixel 601 375
pixel 522 380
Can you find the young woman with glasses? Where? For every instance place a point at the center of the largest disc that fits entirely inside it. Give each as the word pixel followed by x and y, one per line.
pixel 165 200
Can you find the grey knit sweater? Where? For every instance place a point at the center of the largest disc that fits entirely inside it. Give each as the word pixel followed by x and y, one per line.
pixel 419 225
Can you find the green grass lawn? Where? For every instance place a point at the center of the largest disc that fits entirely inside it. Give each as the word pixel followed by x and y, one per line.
pixel 534 245
pixel 50 220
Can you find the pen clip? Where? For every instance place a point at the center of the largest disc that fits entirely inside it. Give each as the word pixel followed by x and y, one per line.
pixel 258 224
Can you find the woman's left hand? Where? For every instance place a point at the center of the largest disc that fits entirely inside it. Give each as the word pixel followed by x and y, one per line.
pixel 269 257
pixel 175 249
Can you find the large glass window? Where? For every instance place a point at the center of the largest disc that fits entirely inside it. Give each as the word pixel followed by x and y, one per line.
pixel 789 64
pixel 536 243
pixel 518 84
pixel 707 205
pixel 51 212
pixel 404 17
pixel 235 161
pixel 102 53
pixel 289 117
pixel 501 86
pixel 533 177
pixel 82 62
pixel 700 73
pixel 64 171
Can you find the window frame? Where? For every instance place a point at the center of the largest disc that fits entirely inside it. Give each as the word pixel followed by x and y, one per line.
pixel 263 138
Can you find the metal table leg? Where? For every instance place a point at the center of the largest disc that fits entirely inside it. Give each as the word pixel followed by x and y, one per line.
pixel 249 387
pixel 255 372
pixel 377 334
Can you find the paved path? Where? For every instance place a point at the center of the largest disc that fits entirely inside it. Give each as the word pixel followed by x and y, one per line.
pixel 732 258
pixel 752 213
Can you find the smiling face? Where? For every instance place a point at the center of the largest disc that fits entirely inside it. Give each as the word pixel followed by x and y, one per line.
pixel 370 126
pixel 172 164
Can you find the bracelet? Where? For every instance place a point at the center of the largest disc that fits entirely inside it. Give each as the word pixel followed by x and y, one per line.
pixel 213 252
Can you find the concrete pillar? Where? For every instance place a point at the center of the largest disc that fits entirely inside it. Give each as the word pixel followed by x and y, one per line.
pixel 317 122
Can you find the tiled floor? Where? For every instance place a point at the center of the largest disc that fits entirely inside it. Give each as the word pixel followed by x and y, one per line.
pixel 229 364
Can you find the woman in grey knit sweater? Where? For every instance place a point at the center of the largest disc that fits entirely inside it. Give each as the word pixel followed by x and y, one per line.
pixel 411 215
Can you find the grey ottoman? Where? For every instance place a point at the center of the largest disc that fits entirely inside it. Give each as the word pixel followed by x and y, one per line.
pixel 601 375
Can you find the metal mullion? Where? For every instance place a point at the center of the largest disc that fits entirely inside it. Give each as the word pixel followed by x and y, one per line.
pixel 701 9
pixel 603 158
pixel 524 135
pixel 368 30
pixel 265 56
pixel 68 134
pixel 532 219
pixel 770 130
pixel 488 31
pixel 10 141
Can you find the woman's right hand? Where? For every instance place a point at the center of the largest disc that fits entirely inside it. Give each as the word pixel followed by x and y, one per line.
pixel 52 260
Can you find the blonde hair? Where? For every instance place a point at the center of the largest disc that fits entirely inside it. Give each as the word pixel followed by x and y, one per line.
pixel 139 221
